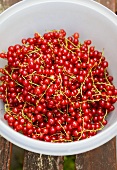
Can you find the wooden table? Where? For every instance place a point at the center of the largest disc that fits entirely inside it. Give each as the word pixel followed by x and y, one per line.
pixel 101 158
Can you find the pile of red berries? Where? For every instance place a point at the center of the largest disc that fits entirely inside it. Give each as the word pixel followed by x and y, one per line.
pixel 56 89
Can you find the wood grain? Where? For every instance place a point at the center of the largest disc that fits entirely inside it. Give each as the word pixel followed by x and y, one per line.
pixel 101 158
pixel 5 154
pixel 33 161
pixel 111 4
pixel 4 4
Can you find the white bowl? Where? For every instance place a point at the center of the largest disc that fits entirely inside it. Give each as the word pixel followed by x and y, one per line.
pixel 93 21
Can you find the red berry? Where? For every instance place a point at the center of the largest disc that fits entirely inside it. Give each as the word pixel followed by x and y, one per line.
pixel 56 88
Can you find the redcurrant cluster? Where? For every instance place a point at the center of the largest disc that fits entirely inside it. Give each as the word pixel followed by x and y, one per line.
pixel 55 88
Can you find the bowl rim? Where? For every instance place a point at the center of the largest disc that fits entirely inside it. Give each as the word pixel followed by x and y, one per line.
pixel 57 149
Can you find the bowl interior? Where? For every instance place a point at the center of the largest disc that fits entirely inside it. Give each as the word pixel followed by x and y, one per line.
pixel 90 19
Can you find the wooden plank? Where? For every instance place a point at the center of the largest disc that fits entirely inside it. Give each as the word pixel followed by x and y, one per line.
pixel 111 4
pixel 101 158
pixel 4 4
pixel 33 161
pixel 5 154
pixel 116 6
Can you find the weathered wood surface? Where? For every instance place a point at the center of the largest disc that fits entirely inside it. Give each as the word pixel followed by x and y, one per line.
pixel 4 4
pixel 111 4
pixel 42 162
pixel 5 154
pixel 102 158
